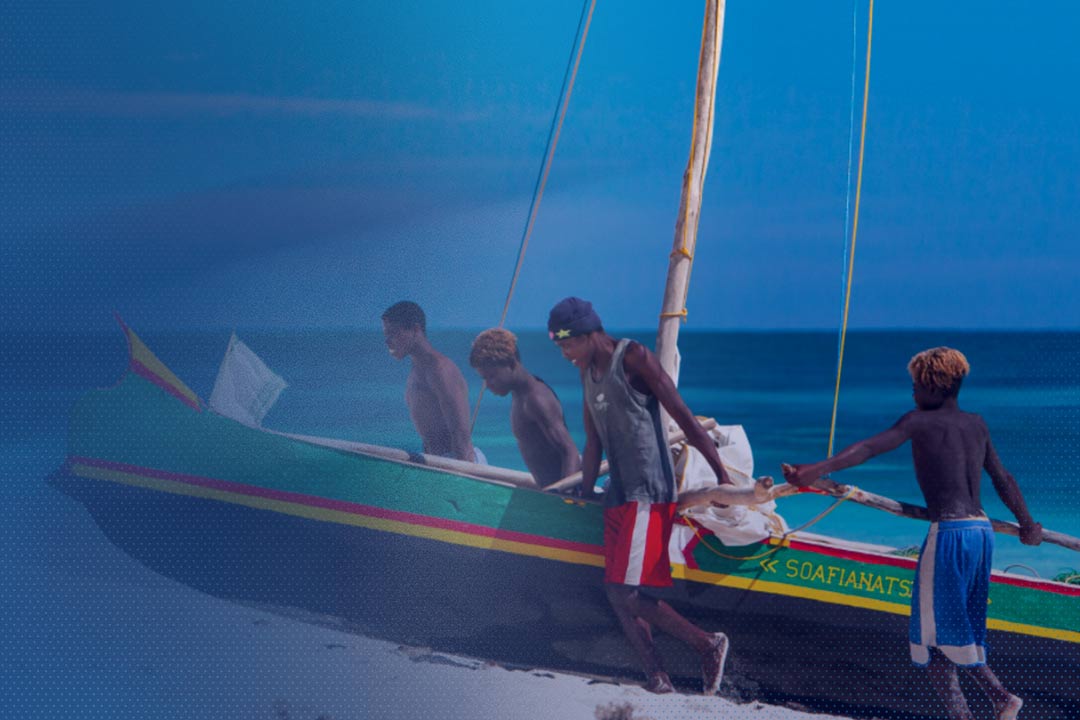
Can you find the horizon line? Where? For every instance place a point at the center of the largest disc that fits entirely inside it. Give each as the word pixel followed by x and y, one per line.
pixel 539 329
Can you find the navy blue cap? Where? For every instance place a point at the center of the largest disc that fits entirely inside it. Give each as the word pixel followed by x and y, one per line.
pixel 572 317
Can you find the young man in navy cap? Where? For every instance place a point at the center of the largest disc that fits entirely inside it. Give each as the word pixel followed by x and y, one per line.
pixel 624 387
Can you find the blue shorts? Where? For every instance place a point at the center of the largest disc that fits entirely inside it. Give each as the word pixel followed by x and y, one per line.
pixel 952 585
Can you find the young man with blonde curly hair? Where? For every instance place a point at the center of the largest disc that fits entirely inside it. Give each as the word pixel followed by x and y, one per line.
pixel 950 448
pixel 536 417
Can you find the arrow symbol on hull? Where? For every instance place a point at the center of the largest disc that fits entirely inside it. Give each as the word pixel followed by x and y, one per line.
pixel 769 565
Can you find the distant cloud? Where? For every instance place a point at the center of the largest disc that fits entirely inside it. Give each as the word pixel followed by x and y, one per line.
pixel 167 105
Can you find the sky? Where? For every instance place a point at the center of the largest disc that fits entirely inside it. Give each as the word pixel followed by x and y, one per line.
pixel 293 165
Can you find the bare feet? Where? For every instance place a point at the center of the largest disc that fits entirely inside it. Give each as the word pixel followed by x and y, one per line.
pixel 1009 709
pixel 659 683
pixel 712 664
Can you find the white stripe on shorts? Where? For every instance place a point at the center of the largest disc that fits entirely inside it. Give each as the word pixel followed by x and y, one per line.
pixel 927 621
pixel 638 542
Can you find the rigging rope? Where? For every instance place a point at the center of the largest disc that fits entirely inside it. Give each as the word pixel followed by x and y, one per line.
pixel 569 77
pixel 850 162
pixel 854 229
pixel 553 140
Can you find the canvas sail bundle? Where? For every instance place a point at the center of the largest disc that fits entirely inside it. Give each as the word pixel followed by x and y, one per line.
pixel 734 525
pixel 245 388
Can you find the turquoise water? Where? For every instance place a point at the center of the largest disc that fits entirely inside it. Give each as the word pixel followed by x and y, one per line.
pixel 778 385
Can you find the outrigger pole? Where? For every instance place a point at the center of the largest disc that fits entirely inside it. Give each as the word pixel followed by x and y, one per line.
pixel 916 512
pixel 673 310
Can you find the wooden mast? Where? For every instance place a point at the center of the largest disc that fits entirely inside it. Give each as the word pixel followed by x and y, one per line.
pixel 673 309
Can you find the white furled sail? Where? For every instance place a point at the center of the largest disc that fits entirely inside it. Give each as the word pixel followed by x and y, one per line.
pixel 736 524
pixel 245 388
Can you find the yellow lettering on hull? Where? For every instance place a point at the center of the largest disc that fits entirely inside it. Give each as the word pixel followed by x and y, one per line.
pixel 837 576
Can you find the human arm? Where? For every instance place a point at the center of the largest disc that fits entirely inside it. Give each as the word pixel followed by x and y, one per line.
pixel 451 392
pixel 856 454
pixel 641 364
pixel 590 457
pixel 1009 491
pixel 544 413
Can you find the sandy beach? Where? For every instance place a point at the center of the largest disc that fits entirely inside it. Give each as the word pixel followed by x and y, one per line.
pixel 214 659
pixel 313 673
pixel 100 635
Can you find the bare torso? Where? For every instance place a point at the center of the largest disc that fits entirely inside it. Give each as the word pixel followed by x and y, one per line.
pixel 949 448
pixel 435 393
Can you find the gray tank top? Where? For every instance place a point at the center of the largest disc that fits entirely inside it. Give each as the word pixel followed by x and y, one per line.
pixel 629 426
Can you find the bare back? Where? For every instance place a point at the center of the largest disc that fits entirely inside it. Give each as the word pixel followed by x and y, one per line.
pixel 949 448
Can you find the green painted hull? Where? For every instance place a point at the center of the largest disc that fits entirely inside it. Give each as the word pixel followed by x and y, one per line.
pixel 512 573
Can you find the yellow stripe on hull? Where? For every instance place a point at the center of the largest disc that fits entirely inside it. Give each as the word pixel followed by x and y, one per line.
pixel 342 518
pixel 835 598
pixel 680 572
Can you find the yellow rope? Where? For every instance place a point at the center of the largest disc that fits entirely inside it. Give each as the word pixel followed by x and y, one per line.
pixel 784 539
pixel 701 541
pixel 854 230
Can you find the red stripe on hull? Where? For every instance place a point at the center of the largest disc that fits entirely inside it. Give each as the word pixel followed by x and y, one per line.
pixel 340 506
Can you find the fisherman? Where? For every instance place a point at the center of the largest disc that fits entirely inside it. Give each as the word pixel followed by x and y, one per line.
pixel 624 387
pixel 950 448
pixel 536 417
pixel 436 392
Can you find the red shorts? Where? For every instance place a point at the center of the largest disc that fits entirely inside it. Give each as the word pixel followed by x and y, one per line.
pixel 636 538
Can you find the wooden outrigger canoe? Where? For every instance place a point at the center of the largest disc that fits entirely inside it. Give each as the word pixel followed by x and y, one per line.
pixel 474 560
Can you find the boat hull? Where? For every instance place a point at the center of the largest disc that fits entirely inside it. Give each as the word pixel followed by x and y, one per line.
pixel 424 556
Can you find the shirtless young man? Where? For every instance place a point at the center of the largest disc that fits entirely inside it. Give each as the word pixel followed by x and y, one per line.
pixel 435 392
pixel 624 387
pixel 536 417
pixel 950 449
